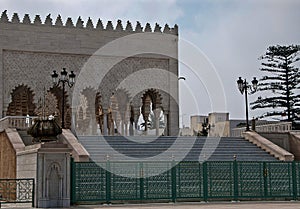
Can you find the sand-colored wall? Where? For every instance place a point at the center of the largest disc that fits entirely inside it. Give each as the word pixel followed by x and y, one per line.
pixel 7 157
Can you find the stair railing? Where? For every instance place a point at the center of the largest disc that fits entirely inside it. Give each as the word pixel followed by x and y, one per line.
pixel 18 122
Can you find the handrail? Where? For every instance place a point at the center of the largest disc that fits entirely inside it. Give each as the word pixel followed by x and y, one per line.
pixel 19 122
pixel 266 128
pixel 268 146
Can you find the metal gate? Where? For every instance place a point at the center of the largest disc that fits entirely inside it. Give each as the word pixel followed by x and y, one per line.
pixel 17 190
pixel 120 181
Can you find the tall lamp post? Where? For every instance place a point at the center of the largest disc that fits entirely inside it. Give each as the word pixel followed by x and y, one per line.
pixel 243 87
pixel 64 80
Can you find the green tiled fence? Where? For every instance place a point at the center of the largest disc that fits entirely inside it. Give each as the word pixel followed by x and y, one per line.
pixel 119 181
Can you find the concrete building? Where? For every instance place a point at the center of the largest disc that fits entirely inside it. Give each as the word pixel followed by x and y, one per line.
pixel 218 124
pixel 196 122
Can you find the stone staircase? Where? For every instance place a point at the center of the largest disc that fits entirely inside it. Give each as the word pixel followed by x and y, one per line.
pixel 119 148
pixel 167 148
pixel 26 138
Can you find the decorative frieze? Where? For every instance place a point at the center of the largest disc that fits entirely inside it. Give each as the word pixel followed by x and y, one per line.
pixel 89 24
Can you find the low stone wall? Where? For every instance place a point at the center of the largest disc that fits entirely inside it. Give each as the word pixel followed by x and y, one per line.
pixel 10 144
pixel 294 139
pixel 281 139
pixel 268 146
pixel 290 141
pixel 27 162
pixel 79 153
pixel 7 158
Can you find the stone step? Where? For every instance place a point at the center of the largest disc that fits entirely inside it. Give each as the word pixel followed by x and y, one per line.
pixel 216 149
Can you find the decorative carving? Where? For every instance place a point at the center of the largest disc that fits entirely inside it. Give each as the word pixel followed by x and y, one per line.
pixel 54 177
pixel 79 23
pixel 4 17
pixel 22 102
pixel 26 19
pixel 148 28
pixel 166 28
pixel 48 20
pixel 48 107
pixel 18 65
pixel 109 26
pixel 175 29
pixel 32 67
pixel 99 24
pixel 119 26
pixel 58 21
pixel 89 24
pixel 69 23
pixel 155 98
pixel 37 20
pixel 138 27
pixel 157 28
pixel 24 67
pixel 129 26
pixel 15 18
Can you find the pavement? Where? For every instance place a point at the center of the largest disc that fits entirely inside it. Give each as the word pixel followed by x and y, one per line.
pixel 198 205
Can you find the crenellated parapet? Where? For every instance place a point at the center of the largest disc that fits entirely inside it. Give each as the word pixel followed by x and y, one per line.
pixel 58 22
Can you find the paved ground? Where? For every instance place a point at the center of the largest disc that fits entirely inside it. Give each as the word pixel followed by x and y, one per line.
pixel 226 205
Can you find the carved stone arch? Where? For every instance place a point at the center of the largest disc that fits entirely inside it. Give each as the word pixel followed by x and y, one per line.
pixel 155 97
pixel 151 96
pixel 47 107
pixel 54 181
pixel 22 98
pixel 57 92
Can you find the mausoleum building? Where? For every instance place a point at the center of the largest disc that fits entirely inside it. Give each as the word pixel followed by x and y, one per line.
pixel 122 76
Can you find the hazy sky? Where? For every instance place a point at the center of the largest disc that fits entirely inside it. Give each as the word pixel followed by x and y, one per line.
pixel 232 34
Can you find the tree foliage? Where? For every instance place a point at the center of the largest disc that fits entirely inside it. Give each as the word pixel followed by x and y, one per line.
pixel 151 121
pixel 281 82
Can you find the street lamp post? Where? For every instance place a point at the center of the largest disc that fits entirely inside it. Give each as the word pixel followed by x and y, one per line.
pixel 64 80
pixel 243 87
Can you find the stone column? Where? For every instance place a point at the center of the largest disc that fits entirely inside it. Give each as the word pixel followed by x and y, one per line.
pixel 122 127
pixel 156 116
pixel 126 128
pixel 166 117
pixel 146 112
pixel 136 116
pixel 146 124
pixel 118 125
pixel 131 132
pixel 105 111
pixel 112 128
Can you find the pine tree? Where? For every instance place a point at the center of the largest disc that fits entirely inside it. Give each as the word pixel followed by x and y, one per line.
pixel 281 83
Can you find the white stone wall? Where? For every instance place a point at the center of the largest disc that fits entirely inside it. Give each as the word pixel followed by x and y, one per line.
pixel 27 163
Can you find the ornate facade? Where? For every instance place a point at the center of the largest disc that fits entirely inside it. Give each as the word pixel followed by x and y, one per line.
pixel 114 102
